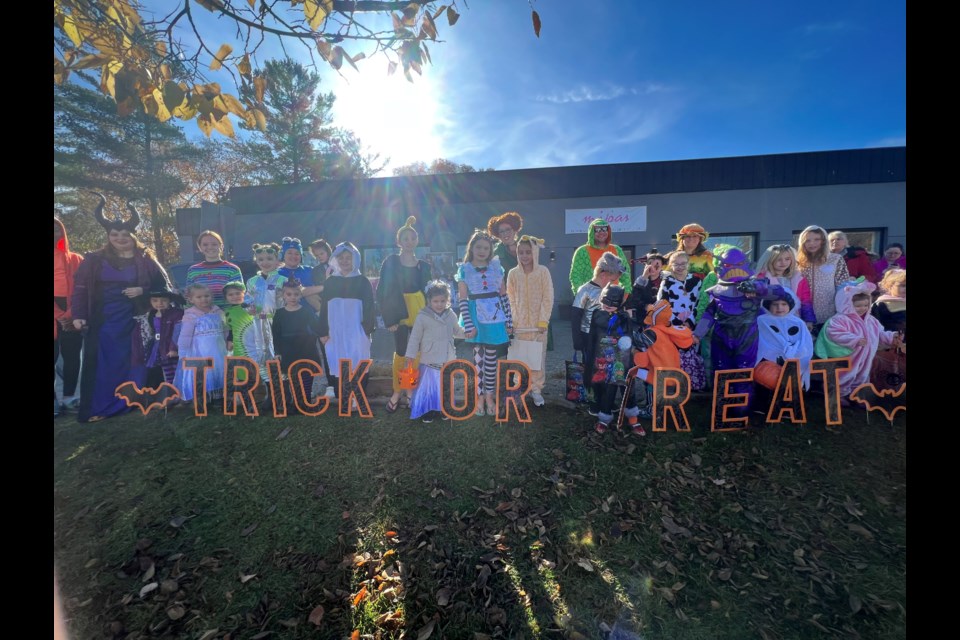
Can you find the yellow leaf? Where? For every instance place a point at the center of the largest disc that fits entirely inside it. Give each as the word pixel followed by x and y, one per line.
pixel 173 95
pixel 185 111
pixel 316 12
pixel 260 118
pixel 165 72
pixel 211 90
pixel 163 113
pixel 439 11
pixel 108 83
pixel 220 56
pixel 259 86
pixel 251 3
pixel 224 126
pixel 205 125
pixel 452 16
pixel 244 66
pixel 410 14
pixel 70 28
pixel 201 104
pixel 91 61
pixel 233 105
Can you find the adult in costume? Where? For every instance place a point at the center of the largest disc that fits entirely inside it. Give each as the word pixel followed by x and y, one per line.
pixel 403 279
pixel 67 341
pixel 690 240
pixel 107 294
pixel 506 228
pixel 599 242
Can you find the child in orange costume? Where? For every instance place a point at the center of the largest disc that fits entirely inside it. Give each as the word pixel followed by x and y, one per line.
pixel 662 353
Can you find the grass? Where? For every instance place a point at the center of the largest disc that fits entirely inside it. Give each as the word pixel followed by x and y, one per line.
pixel 456 529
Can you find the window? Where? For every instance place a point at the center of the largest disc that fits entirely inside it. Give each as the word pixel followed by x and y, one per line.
pixel 746 242
pixel 870 239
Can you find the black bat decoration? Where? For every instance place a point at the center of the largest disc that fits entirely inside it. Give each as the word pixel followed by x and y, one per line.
pixel 887 401
pixel 148 397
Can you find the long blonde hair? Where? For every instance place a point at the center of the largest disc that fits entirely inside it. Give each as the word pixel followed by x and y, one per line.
pixel 820 257
pixel 891 278
pixel 772 254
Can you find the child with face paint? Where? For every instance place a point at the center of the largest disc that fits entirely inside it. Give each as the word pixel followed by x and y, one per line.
pixel 348 316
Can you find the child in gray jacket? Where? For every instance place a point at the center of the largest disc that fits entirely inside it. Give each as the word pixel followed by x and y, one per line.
pixel 432 336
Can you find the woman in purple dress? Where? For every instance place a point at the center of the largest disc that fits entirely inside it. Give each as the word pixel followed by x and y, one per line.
pixel 107 294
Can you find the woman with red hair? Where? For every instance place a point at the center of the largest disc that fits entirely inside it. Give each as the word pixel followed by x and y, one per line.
pixel 506 228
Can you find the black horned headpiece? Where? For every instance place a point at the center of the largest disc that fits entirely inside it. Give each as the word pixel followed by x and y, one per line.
pixel 117 224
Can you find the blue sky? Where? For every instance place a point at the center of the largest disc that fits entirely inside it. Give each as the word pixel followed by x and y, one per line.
pixel 631 81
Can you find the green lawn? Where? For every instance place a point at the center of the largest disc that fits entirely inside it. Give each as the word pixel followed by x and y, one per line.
pixel 475 530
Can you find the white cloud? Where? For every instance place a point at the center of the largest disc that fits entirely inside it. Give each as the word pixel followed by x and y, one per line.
pixel 584 93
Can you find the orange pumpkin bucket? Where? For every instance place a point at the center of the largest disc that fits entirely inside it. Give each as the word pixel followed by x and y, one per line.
pixel 767 374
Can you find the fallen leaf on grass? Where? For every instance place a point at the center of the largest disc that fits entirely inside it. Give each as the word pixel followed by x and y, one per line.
pixel 249 530
pixel 176 612
pixel 244 579
pixel 360 596
pixel 316 616
pixel 208 635
pixel 283 434
pixel 148 588
pixel 586 564
pixel 91 563
pixel 443 597
pixel 427 630
pixel 151 570
pixel 856 528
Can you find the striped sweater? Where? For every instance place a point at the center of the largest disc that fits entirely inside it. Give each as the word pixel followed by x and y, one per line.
pixel 214 275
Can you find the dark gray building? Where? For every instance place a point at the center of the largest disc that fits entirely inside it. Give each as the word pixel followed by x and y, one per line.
pixel 751 201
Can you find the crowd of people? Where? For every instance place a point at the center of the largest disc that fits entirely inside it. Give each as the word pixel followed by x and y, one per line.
pixel 691 308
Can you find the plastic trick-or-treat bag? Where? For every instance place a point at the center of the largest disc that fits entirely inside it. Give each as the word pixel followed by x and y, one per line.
pixel 575 391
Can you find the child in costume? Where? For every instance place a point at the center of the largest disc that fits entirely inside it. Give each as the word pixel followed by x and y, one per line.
pixel 662 353
pixel 611 334
pixel 241 341
pixel 155 340
pixel 682 289
pixel 291 252
pixel 263 298
pixel 608 270
pixel 732 314
pixel 530 290
pixel 296 329
pixel 485 314
pixel 855 334
pixel 784 336
pixel 320 250
pixel 432 340
pixel 348 316
pixel 202 335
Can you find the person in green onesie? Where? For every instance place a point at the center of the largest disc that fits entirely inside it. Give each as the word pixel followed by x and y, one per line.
pixel 599 241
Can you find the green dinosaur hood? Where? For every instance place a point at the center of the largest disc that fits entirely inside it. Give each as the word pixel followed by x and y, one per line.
pixel 591 232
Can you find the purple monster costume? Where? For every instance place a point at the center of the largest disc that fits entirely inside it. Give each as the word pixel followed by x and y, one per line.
pixel 732 312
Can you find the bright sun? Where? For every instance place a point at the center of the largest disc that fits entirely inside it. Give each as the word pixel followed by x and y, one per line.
pixel 391 116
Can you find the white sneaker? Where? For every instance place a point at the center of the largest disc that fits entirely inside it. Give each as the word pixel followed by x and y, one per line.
pixel 329 393
pixel 537 399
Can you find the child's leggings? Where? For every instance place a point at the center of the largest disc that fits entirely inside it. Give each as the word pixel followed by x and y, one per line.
pixel 485 359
